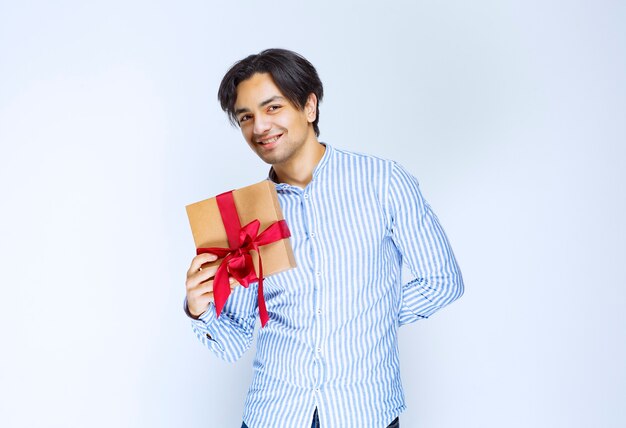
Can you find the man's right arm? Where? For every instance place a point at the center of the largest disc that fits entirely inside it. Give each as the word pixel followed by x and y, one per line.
pixel 230 335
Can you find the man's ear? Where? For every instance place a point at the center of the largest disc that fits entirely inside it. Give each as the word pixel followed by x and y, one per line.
pixel 310 108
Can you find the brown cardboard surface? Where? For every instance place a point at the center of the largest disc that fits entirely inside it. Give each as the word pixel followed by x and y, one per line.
pixel 258 201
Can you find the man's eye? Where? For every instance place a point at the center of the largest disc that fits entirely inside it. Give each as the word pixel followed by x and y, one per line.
pixel 244 118
pixel 274 108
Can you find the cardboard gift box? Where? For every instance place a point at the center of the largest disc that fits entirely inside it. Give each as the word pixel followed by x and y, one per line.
pixel 232 225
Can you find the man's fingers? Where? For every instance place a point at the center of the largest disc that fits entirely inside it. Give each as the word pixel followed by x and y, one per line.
pixel 199 260
pixel 200 275
pixel 200 289
pixel 205 273
pixel 198 278
pixel 207 288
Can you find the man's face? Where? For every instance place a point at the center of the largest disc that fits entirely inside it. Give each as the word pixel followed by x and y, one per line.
pixel 273 127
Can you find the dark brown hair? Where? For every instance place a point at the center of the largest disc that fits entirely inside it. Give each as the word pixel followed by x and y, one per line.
pixel 292 73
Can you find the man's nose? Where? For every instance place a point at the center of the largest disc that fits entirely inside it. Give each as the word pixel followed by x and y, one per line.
pixel 261 125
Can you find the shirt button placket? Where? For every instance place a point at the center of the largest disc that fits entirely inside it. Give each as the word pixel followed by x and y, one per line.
pixel 317 338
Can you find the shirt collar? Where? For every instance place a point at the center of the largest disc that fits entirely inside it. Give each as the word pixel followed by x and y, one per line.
pixel 316 172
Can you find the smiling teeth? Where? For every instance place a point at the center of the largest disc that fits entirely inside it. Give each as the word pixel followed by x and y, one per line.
pixel 271 140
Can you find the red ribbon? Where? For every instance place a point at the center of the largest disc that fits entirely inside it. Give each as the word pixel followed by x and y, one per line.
pixel 237 260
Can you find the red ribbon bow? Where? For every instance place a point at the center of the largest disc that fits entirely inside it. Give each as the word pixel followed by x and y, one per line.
pixel 237 260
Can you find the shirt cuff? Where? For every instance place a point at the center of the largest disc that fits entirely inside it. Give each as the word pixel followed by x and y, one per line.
pixel 419 298
pixel 204 324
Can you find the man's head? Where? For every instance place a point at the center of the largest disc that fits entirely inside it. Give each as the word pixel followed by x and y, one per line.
pixel 294 76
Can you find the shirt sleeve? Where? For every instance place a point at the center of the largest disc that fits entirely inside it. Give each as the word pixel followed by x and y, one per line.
pixel 230 335
pixel 425 250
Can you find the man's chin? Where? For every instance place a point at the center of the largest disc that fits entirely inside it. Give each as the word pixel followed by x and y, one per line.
pixel 270 158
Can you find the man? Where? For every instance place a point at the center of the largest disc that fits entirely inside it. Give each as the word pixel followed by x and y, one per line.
pixel 328 355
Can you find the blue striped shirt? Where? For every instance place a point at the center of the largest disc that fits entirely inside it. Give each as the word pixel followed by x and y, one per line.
pixel 332 339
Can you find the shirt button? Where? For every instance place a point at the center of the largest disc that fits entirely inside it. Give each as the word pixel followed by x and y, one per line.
pixel 319 350
pixel 306 196
pixel 312 234
pixel 318 273
pixel 319 311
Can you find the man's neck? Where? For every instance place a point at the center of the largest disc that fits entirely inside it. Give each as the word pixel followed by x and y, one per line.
pixel 299 171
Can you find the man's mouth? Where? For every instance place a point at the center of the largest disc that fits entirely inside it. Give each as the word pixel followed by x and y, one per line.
pixel 270 140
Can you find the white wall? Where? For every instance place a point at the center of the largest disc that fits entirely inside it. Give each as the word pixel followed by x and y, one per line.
pixel 511 114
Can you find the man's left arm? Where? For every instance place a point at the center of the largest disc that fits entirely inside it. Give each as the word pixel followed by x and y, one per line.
pixel 425 249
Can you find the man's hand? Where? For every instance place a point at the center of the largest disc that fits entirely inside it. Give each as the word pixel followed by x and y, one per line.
pixel 200 284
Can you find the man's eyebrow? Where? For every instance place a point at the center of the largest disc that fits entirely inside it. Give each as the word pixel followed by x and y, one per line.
pixel 241 110
pixel 271 100
pixel 262 104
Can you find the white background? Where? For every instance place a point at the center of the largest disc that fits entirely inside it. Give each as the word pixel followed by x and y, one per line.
pixel 510 113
